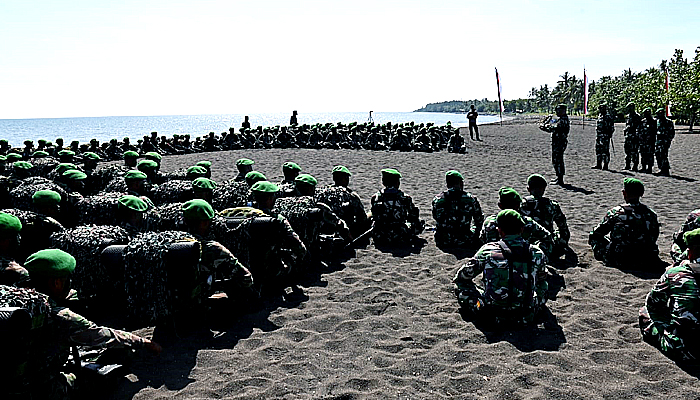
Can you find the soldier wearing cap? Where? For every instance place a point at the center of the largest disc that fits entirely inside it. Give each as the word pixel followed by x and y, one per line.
pixel 11 273
pixel 604 128
pixel 195 172
pixel 632 128
pixel 4 147
pixel 50 271
pixel 74 180
pixel 457 214
pixel 647 140
pixel 396 219
pixel 473 127
pixel 131 158
pixel 22 169
pixel 203 188
pixel 206 165
pixel 514 276
pixel 626 237
pixel 344 202
pixel 66 156
pixel 136 183
pixel 150 168
pixel 559 128
pixel 547 213
pixel 155 157
pixel 28 149
pixel 533 233
pixel 130 211
pixel 253 177
pixel 664 135
pixel 287 187
pixel 244 165
pixel 456 143
pixel 670 318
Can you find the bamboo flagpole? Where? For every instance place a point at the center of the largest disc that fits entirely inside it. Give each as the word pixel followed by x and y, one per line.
pixel 500 101
pixel 585 97
pixel 668 101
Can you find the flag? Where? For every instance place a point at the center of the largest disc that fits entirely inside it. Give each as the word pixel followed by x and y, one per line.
pixel 585 93
pixel 668 102
pixel 498 83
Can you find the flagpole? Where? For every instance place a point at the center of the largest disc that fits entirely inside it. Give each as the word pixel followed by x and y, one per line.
pixel 585 96
pixel 500 102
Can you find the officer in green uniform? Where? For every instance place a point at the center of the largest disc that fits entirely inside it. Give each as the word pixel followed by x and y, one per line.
pixel 11 273
pixel 290 170
pixel 130 210
pixel 244 165
pixel 203 188
pixel 396 218
pixel 458 215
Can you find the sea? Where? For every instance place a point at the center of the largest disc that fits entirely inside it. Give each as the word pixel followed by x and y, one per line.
pixel 83 129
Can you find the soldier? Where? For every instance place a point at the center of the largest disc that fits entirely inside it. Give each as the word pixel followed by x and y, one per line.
pixel 664 135
pixel 211 143
pixel 473 127
pixel 11 273
pixel 605 126
pixel 244 165
pixel 669 318
pixel 246 123
pixel 633 228
pixel 456 143
pixel 546 212
pixel 422 142
pixel 345 202
pixel 203 188
pixel 514 277
pixel 457 214
pixel 647 140
pixel 678 247
pixel 22 170
pixel 400 141
pixel 559 129
pixel 206 165
pixel 136 183
pixel 287 187
pixel 131 158
pixel 533 232
pixel 195 172
pixel 396 218
pixel 375 140
pixel 254 176
pixel 130 210
pixel 293 119
pixel 5 147
pixel 155 157
pixel 284 140
pixel 74 181
pixel 632 127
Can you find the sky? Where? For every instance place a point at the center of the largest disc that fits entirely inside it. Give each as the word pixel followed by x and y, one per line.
pixel 154 57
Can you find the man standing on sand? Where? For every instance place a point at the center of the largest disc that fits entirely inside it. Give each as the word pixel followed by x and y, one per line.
pixel 471 116
pixel 560 139
pixel 293 119
pixel 605 126
pixel 664 135
pixel 632 127
pixel 647 140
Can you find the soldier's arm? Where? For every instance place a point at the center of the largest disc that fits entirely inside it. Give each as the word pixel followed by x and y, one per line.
pixel 332 218
pixel 560 221
pixel 217 259
pixel 653 226
pixel 292 241
pixel 478 217
pixel 469 270
pixel 486 229
pixel 541 236
pixel 598 233
pixel 541 286
pixel 437 209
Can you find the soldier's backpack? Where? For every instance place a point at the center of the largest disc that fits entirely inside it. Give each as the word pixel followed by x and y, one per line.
pixel 521 256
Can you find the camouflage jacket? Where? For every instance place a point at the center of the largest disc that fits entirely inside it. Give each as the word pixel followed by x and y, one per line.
pixel 547 212
pixel 309 219
pixel 674 308
pixel 632 124
pixel 679 247
pixel 559 130
pixel 665 132
pixel 346 204
pixel 458 217
pixel 605 126
pixel 533 233
pixel 508 284
pixel 287 188
pixel 647 134
pixel 395 216
pixel 11 273
pixel 633 229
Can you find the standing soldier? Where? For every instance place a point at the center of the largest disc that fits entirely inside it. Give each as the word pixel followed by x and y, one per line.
pixel 632 128
pixel 605 126
pixel 559 129
pixel 647 140
pixel 664 135
pixel 471 116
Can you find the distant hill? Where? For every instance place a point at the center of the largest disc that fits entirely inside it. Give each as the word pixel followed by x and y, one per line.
pixel 454 106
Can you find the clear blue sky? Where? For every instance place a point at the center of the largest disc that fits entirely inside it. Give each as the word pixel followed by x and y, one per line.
pixel 152 57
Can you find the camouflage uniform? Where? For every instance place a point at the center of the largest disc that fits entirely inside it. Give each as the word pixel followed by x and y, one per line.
pixel 287 188
pixel 456 144
pixel 632 127
pixel 11 273
pixel 230 194
pixel 605 126
pixel 533 233
pixel 560 140
pixel 547 212
pixel 664 135
pixel 347 205
pixel 395 217
pixel 36 231
pixel 514 284
pixel 678 247
pixel 647 141
pixel 633 229
pixel 171 192
pixel 669 319
pixel 454 210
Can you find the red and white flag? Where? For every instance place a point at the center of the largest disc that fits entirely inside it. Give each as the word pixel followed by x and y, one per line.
pixel 498 83
pixel 668 102
pixel 585 93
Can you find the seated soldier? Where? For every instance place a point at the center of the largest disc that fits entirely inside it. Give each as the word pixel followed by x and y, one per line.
pixel 203 188
pixel 396 218
pixel 514 276
pixel 195 172
pixel 50 272
pixel 345 202
pixel 130 210
pixel 253 177
pixel 678 247
pixel 456 143
pixel 11 272
pixel 546 212
pixel 206 165
pixel 244 165
pixel 136 183
pixel 533 232
pixel 633 229
pixel 287 187
pixel 457 214
pixel 669 318
pixel 131 158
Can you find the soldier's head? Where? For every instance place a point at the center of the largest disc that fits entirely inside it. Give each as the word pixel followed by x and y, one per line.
pixel 253 177
pixel 47 202
pixel 560 110
pixel 536 185
pixel 59 141
pixel 50 271
pixel 603 108
pixel 206 165
pixel 509 222
pixel 90 160
pixel 131 158
pixel 130 209
pixel 453 179
pixel 244 165
pixel 630 107
pixel 290 170
pixel 472 107
pixel 509 199
pixel 155 157
pixel 632 189
pixel 10 228
pixel 148 167
pixel 198 215
pixel 66 156
pixel 341 175
pixel 203 188
pixel 74 179
pixel 660 113
pixel 305 185
pixel 136 181
pixel 391 178
pixel 692 240
pixel 265 194
pixel 195 172
pixel 22 169
pixel 647 113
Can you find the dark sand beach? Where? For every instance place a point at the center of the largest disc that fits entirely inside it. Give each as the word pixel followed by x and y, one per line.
pixel 386 324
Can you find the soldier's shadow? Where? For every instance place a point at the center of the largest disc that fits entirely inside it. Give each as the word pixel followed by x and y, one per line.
pixel 413 247
pixel 576 189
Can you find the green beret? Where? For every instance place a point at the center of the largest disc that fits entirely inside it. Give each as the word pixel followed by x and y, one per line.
pixel 152 155
pixel 341 169
pixel 46 197
pixel 660 111
pixel 197 209
pixel 135 174
pixel 74 175
pixel 265 187
pixel 633 186
pixel 306 179
pixel 196 171
pixel 647 110
pixel 3 158
pixel 692 238
pixel 50 263
pixel 205 164
pixel 630 104
pixel 12 157
pixel 63 167
pixel 66 153
pixel 3 141
pixel 391 172
pixel 22 165
pixel 147 165
pixel 244 161
pixel 202 184
pixel 291 166
pixel 91 156
pixel 9 224
pixel 453 174
pixel 536 180
pixel 130 154
pixel 508 197
pixel 40 154
pixel 254 176
pixel 133 203
pixel 509 220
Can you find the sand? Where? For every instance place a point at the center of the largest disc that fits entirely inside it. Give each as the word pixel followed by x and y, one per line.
pixel 386 325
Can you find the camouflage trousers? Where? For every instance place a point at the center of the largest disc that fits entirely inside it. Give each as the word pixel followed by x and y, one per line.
pixel 631 152
pixel 445 238
pixel 472 301
pixel 558 160
pixel 662 157
pixel 602 149
pixel 670 344
pixel 397 233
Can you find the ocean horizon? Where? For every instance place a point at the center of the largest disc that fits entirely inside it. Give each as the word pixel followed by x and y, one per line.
pixel 16 131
